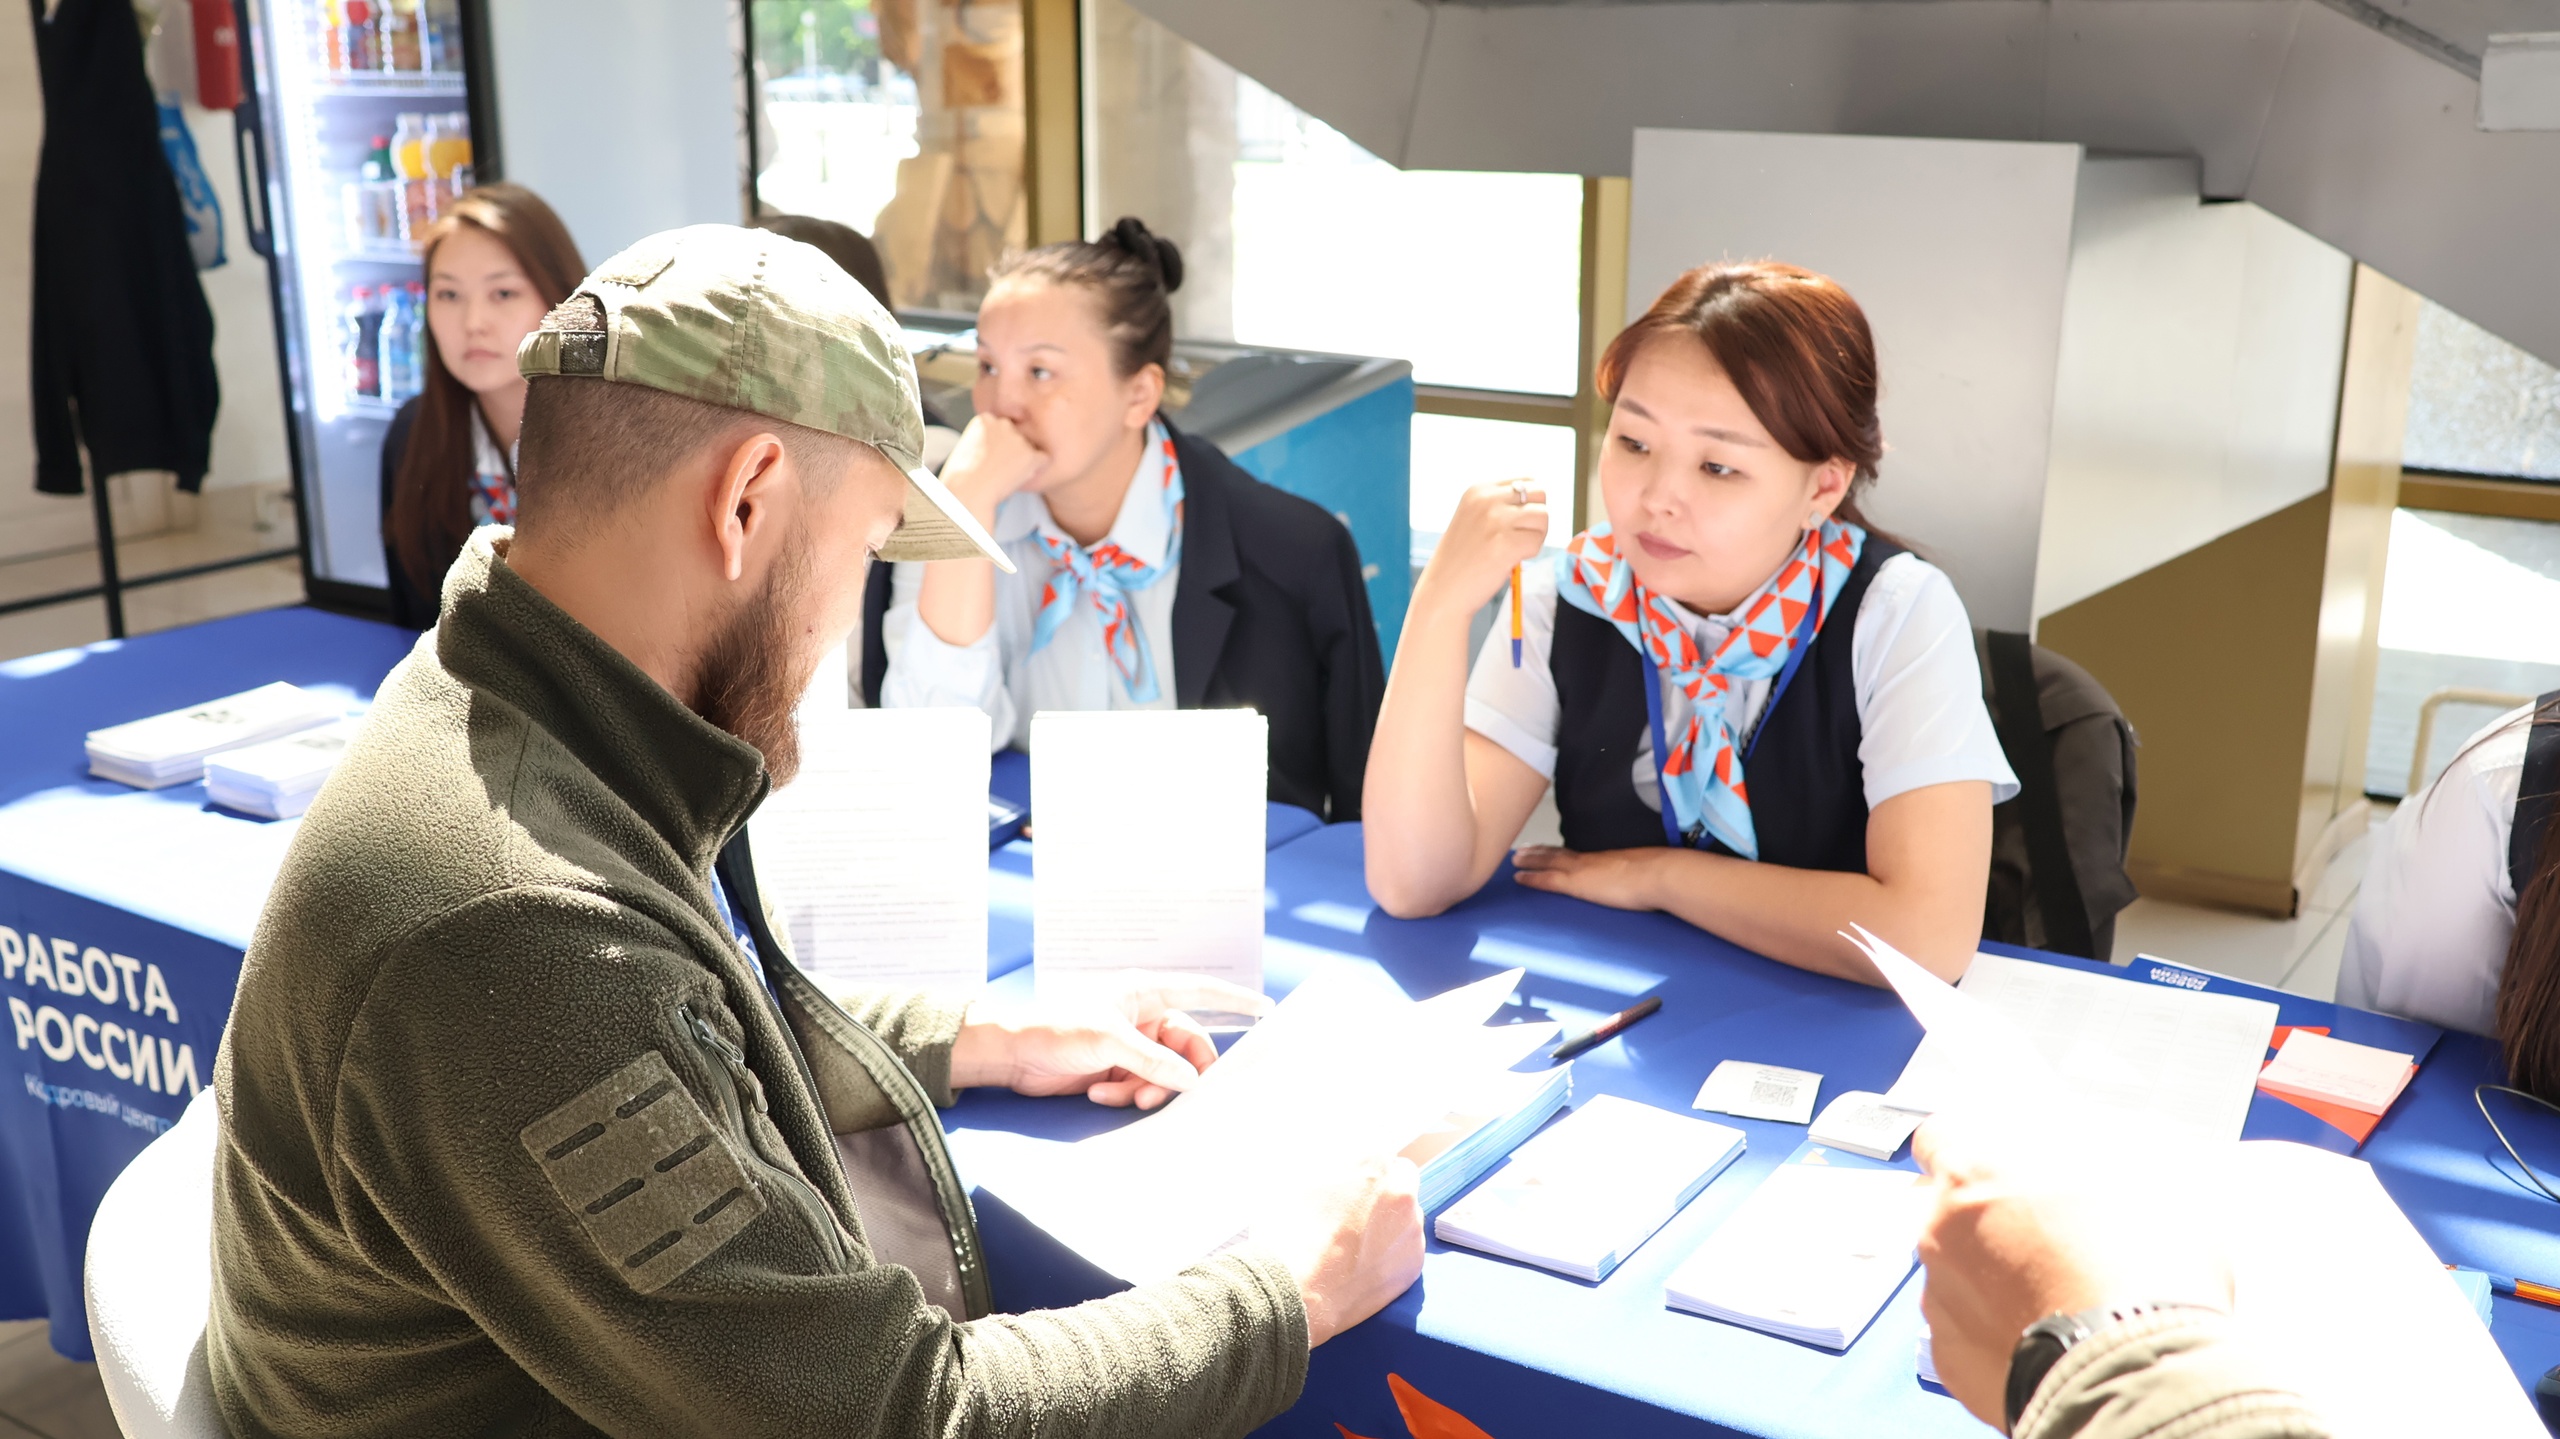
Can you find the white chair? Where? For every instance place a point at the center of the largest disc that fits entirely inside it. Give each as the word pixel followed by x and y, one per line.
pixel 149 1282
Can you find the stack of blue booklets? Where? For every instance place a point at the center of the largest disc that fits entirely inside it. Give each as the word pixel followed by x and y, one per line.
pixel 1482 1131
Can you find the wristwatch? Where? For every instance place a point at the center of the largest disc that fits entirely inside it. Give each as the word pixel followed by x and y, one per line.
pixel 2055 1335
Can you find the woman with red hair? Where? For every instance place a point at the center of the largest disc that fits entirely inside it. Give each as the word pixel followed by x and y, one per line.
pixel 1758 712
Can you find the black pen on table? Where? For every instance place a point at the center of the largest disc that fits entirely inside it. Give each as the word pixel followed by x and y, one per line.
pixel 1606 1029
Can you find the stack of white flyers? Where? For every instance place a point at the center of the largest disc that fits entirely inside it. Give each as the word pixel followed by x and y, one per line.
pixel 2132 1057
pixel 1345 1070
pixel 1811 1256
pixel 168 749
pixel 1149 853
pixel 1581 1197
pixel 1485 1126
pixel 876 853
pixel 279 778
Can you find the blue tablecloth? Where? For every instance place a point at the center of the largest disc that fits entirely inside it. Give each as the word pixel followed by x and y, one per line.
pixel 159 887
pixel 150 898
pixel 1521 1351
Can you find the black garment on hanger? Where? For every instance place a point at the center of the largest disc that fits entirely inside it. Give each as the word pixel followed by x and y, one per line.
pixel 123 338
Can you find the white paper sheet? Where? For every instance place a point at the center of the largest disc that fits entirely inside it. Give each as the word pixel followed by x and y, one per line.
pixel 2130 1057
pixel 1759 1091
pixel 1343 1070
pixel 2353 1309
pixel 1149 844
pixel 877 853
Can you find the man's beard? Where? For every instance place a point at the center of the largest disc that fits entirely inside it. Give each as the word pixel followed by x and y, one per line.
pixel 751 676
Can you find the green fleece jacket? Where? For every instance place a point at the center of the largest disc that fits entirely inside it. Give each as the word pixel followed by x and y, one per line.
pixel 515 1143
pixel 2176 1374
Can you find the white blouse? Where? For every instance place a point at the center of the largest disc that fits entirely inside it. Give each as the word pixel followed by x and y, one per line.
pixel 1920 712
pixel 2428 938
pixel 999 673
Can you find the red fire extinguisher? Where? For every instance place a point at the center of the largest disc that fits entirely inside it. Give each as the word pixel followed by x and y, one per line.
pixel 217 54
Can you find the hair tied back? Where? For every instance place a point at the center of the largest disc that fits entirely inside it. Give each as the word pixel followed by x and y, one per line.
pixel 1131 234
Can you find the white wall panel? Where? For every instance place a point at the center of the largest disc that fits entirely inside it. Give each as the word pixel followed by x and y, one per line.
pixel 2197 388
pixel 621 113
pixel 1958 251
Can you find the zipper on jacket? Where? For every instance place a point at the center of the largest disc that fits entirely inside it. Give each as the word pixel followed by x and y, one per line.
pixel 732 1062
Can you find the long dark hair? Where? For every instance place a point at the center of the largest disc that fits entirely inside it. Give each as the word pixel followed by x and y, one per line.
pixel 1793 342
pixel 2528 1014
pixel 1132 271
pixel 430 512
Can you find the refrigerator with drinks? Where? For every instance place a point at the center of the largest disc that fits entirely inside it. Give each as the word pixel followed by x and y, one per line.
pixel 356 132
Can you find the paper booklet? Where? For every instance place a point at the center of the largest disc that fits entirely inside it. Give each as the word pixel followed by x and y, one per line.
pixel 2358 1076
pixel 876 855
pixel 279 778
pixel 1812 1255
pixel 1484 1127
pixel 2133 1057
pixel 1149 845
pixel 1581 1197
pixel 1344 1070
pixel 168 749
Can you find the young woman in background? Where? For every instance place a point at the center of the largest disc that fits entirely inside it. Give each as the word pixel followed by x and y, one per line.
pixel 1757 713
pixel 495 264
pixel 1151 572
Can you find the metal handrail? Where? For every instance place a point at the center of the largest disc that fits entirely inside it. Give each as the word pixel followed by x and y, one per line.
pixel 2450 695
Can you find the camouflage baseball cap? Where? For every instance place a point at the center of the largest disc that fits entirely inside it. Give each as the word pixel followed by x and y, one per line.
pixel 750 320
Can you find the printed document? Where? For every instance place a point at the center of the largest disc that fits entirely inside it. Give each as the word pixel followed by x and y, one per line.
pixel 1148 843
pixel 1343 1070
pixel 876 853
pixel 2127 1055
pixel 1582 1196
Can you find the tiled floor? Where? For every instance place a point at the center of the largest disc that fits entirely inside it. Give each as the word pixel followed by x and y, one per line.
pixel 44 1395
pixel 226 523
pixel 2300 954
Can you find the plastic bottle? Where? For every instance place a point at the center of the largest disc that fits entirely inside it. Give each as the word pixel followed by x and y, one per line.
pixel 333 40
pixel 359 327
pixel 377 159
pixel 399 348
pixel 448 144
pixel 408 142
pixel 444 36
pixel 400 39
pixel 419 339
pixel 357 38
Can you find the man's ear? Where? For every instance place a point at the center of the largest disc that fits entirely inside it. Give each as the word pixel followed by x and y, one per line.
pixel 741 498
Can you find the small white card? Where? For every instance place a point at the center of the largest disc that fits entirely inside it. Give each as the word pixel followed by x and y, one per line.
pixel 1760 1091
pixel 1863 1123
pixel 1149 847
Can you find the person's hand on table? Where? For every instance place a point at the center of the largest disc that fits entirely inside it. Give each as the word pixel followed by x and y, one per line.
pixel 1129 1043
pixel 1353 1242
pixel 2013 1239
pixel 1618 878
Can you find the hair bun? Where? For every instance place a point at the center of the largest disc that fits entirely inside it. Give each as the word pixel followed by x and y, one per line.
pixel 1131 234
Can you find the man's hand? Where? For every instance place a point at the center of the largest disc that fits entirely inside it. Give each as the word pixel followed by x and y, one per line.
pixel 1131 1043
pixel 2012 1240
pixel 1618 878
pixel 1353 1244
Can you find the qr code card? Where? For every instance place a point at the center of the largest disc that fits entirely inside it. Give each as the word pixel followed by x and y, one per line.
pixel 1760 1091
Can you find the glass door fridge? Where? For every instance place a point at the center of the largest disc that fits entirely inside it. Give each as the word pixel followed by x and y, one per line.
pixel 356 132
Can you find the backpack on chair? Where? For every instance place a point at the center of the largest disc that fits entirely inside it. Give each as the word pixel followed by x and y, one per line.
pixel 2057 848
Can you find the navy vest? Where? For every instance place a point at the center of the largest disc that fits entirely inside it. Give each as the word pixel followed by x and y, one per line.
pixel 1808 790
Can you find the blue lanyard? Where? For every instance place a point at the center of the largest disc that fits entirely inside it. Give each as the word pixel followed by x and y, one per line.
pixel 1653 715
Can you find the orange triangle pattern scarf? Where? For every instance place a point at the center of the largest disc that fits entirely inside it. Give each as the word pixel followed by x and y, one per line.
pixel 1702 770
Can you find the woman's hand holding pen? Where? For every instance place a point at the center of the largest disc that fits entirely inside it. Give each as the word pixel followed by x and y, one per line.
pixel 993 462
pixel 1497 525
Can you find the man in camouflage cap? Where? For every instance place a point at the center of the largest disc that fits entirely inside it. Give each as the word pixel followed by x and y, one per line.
pixel 531 1125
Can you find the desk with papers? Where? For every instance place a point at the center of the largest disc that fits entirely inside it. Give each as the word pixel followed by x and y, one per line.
pixel 1521 1351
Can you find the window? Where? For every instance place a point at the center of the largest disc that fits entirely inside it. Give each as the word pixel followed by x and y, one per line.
pixel 902 119
pixel 1452 452
pixel 2478 405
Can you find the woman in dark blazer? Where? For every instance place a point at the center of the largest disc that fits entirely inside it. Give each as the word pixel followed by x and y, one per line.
pixel 1151 572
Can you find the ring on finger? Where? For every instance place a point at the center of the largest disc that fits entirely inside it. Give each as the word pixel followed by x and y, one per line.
pixel 1519 493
